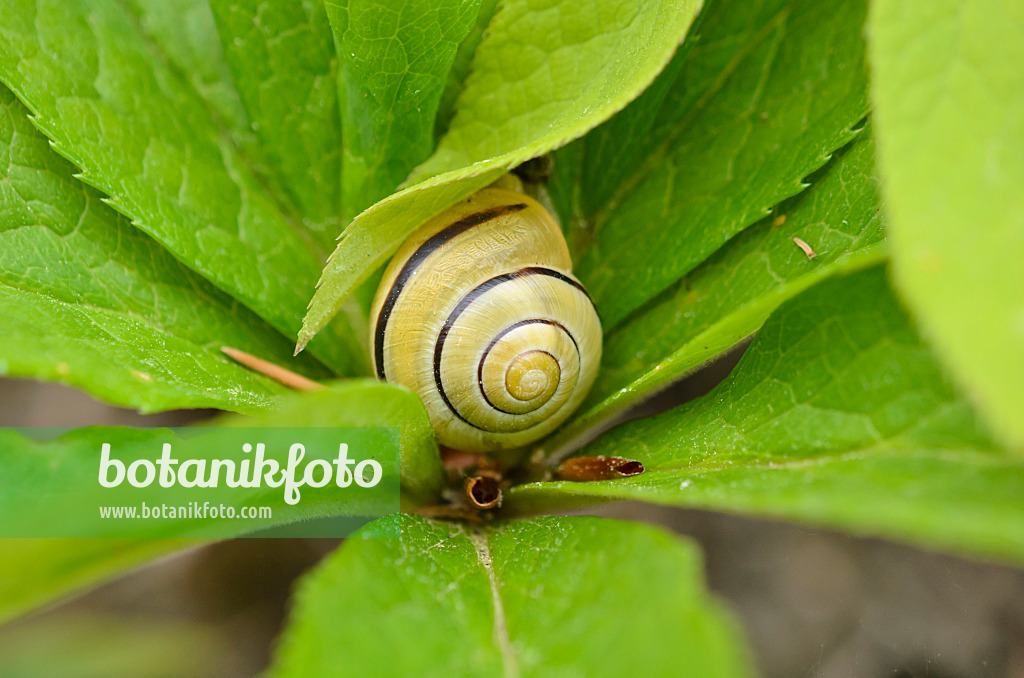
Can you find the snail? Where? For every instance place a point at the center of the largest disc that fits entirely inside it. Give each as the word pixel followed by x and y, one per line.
pixel 479 314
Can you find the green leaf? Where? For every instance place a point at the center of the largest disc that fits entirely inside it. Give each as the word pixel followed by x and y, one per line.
pixel 949 90
pixel 514 107
pixel 730 295
pixel 110 102
pixel 551 596
pixel 369 403
pixel 461 65
pixel 57 494
pixel 122 319
pixel 122 358
pixel 837 415
pixel 395 61
pixel 184 30
pixel 545 74
pixel 282 62
pixel 35 571
pixel 766 92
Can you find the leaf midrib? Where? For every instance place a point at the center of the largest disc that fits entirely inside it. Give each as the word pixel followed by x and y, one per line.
pixel 509 665
pixel 950 453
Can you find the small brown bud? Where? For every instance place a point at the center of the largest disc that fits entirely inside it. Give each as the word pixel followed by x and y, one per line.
pixel 584 469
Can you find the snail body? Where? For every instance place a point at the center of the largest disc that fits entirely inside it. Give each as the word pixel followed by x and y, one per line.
pixel 479 314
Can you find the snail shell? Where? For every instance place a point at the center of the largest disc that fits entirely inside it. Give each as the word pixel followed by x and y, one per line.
pixel 479 314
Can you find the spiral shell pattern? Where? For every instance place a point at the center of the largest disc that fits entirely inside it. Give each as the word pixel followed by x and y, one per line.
pixel 479 314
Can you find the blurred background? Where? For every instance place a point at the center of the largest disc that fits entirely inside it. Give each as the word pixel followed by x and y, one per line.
pixel 812 602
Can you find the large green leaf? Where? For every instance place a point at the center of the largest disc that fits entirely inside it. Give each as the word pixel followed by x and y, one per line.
pixel 552 596
pixel 395 61
pixel 460 66
pixel 91 301
pixel 543 74
pixel 731 294
pixel 949 90
pixel 282 63
pixel 112 104
pixel 35 571
pixel 546 72
pixel 369 403
pixel 58 496
pixel 184 30
pixel 837 415
pixel 766 92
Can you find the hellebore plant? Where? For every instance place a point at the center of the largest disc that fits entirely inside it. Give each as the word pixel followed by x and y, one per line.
pixel 843 179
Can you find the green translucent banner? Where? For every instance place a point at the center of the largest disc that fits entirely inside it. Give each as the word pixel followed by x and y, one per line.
pixel 196 482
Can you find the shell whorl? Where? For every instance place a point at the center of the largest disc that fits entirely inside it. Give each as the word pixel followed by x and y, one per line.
pixel 479 314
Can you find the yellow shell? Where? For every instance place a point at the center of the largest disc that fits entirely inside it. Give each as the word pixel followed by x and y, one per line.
pixel 479 314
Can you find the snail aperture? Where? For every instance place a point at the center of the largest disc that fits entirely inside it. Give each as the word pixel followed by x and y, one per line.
pixel 479 314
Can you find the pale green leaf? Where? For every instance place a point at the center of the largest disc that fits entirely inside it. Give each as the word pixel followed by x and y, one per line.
pixel 837 415
pixel 552 596
pixel 949 90
pixel 544 73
